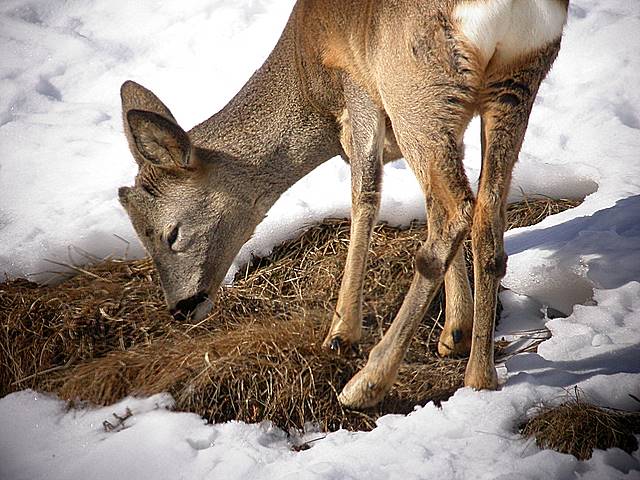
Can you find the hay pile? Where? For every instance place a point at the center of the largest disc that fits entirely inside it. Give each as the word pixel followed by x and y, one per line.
pixel 577 427
pixel 105 333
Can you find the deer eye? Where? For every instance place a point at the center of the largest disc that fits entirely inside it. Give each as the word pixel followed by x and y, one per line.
pixel 173 236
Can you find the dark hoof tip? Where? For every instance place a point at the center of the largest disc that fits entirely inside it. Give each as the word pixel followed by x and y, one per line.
pixel 341 347
pixel 336 344
pixel 457 336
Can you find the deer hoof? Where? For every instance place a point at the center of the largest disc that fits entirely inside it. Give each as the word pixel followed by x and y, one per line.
pixel 481 379
pixel 456 343
pixel 364 390
pixel 342 347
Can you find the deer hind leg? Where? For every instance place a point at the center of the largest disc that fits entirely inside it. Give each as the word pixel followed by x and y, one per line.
pixel 505 107
pixel 455 339
pixel 363 139
pixel 429 119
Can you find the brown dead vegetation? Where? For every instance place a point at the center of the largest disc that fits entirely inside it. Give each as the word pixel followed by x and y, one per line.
pixel 577 427
pixel 105 333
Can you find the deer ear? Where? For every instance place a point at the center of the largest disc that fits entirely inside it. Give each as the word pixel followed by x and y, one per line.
pixel 158 140
pixel 136 97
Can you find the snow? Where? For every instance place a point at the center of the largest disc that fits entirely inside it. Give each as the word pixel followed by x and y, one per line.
pixel 64 155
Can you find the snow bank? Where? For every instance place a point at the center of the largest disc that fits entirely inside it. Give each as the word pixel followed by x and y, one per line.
pixel 64 155
pixel 472 436
pixel 63 150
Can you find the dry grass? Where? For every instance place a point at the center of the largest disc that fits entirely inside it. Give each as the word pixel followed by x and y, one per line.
pixel 105 333
pixel 576 427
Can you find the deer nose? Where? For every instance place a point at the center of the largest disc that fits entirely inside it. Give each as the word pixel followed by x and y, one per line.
pixel 186 306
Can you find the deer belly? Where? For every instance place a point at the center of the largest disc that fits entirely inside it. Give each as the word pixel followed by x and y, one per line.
pixel 507 29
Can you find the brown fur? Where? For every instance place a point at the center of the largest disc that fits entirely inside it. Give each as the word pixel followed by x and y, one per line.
pixel 370 81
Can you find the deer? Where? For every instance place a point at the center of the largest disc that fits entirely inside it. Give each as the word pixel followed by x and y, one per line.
pixel 370 81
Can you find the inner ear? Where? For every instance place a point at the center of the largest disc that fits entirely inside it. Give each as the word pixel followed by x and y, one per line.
pixel 159 140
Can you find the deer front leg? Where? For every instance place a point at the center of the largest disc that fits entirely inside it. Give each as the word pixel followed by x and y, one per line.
pixel 437 161
pixel 447 228
pixel 363 141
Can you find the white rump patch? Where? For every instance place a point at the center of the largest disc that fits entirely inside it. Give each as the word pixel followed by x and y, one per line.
pixel 510 28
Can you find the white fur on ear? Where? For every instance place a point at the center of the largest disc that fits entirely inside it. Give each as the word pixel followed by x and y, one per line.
pixel 159 140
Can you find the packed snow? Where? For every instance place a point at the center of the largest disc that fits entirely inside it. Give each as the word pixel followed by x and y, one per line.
pixel 63 155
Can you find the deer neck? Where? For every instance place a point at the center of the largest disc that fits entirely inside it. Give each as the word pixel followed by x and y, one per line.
pixel 271 129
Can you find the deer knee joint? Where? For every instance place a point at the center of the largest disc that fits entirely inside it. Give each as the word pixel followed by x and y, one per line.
pixel 428 264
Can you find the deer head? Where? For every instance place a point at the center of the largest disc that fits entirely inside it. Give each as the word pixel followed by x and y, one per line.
pixel 191 207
